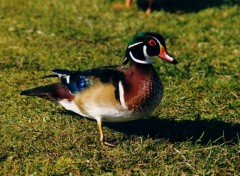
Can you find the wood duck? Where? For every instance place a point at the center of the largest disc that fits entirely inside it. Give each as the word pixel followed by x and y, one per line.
pixel 142 3
pixel 112 93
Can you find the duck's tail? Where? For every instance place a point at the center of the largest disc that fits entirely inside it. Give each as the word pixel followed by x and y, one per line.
pixel 52 92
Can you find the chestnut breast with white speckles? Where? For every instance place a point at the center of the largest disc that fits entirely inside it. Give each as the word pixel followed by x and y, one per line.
pixel 142 89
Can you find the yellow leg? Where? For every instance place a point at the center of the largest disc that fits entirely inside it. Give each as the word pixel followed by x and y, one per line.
pixel 149 9
pixel 99 122
pixel 128 3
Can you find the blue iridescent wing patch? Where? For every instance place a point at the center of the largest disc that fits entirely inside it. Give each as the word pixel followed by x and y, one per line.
pixel 83 83
pixel 77 81
pixel 78 85
pixel 73 80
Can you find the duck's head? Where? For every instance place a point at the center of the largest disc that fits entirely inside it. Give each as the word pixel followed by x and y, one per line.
pixel 144 45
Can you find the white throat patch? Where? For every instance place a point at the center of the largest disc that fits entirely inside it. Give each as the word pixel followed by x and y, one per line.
pixel 147 58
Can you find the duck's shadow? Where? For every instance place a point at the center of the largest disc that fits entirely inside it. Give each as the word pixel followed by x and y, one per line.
pixel 200 131
pixel 184 5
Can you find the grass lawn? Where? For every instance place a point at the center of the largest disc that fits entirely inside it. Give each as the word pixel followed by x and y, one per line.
pixel 195 129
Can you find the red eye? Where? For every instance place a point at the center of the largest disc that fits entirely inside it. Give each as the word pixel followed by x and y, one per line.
pixel 152 42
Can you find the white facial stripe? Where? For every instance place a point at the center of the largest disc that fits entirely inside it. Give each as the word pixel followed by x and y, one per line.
pixel 135 44
pixel 121 95
pixel 156 40
pixel 147 61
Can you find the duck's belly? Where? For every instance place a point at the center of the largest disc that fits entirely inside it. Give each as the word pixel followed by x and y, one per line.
pixel 110 113
pixel 106 113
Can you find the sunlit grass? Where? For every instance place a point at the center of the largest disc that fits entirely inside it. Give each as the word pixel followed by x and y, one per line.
pixel 194 129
